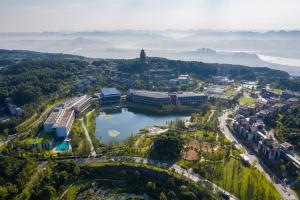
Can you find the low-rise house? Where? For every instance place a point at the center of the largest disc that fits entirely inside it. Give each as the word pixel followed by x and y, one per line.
pixel 292 101
pixel 266 93
pixel 265 114
pixel 280 107
pixel 287 147
pixel 183 79
pixel 13 109
pixel 289 94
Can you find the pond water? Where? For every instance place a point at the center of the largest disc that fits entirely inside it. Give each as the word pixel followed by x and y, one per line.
pixel 120 125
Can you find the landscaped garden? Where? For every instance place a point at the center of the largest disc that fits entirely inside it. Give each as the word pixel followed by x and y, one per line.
pixel 246 100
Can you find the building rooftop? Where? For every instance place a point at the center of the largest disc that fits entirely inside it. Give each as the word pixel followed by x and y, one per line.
pixel 80 100
pixel 188 94
pixel 52 118
pixel 63 118
pixel 264 112
pixel 110 91
pixel 293 99
pixel 286 145
pixel 152 94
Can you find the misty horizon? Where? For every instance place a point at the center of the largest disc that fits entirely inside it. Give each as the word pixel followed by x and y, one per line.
pixel 77 15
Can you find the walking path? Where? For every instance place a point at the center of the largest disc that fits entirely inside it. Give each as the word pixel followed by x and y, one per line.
pixel 210 116
pixel 172 167
pixel 93 152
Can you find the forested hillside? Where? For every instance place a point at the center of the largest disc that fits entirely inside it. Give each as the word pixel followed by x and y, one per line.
pixel 289 126
pixel 31 78
pixel 199 69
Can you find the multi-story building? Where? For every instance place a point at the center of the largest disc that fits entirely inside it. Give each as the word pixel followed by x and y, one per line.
pixel 110 95
pixel 80 104
pixel 190 98
pixel 60 121
pixel 164 98
pixel 149 97
pixel 270 149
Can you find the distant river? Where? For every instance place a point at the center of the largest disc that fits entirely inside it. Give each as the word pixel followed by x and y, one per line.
pixel 119 126
pixel 280 60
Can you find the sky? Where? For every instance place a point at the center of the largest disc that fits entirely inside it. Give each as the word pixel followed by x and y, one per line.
pixel 89 15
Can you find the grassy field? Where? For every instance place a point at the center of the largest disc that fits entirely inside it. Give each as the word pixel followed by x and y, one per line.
pixel 31 121
pixel 79 143
pixel 246 100
pixel 231 91
pixel 244 182
pixel 277 91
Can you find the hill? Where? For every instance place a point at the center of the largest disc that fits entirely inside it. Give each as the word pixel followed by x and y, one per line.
pixel 288 125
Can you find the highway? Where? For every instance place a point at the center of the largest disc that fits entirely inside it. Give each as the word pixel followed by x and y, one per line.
pixel 285 191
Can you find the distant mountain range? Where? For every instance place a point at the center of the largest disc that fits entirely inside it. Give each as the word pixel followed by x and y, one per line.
pixel 232 47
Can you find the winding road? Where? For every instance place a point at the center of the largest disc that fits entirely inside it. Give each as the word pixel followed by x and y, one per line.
pixel 285 191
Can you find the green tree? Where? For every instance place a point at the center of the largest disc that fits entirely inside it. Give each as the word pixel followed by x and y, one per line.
pixel 163 196
pixel 3 192
pixel 171 195
pixel 167 146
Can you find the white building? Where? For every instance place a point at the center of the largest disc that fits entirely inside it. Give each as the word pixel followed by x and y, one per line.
pixel 61 118
pixel 81 103
pixel 60 121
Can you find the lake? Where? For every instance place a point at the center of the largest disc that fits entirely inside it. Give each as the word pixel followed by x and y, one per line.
pixel 118 126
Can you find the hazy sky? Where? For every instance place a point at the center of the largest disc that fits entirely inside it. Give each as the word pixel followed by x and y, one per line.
pixel 76 15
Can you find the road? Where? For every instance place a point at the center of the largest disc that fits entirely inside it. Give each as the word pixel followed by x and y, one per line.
pixel 87 135
pixel 285 191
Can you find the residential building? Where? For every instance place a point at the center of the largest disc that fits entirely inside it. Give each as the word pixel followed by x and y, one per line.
pixel 287 147
pixel 270 149
pixel 183 79
pixel 292 101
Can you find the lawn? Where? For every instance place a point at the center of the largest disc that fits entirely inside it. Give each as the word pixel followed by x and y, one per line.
pixel 32 120
pixel 231 91
pixel 245 182
pixel 277 91
pixel 246 100
pixel 232 175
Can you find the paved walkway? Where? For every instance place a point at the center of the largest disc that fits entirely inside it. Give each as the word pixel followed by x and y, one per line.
pixel 172 167
pixel 93 152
